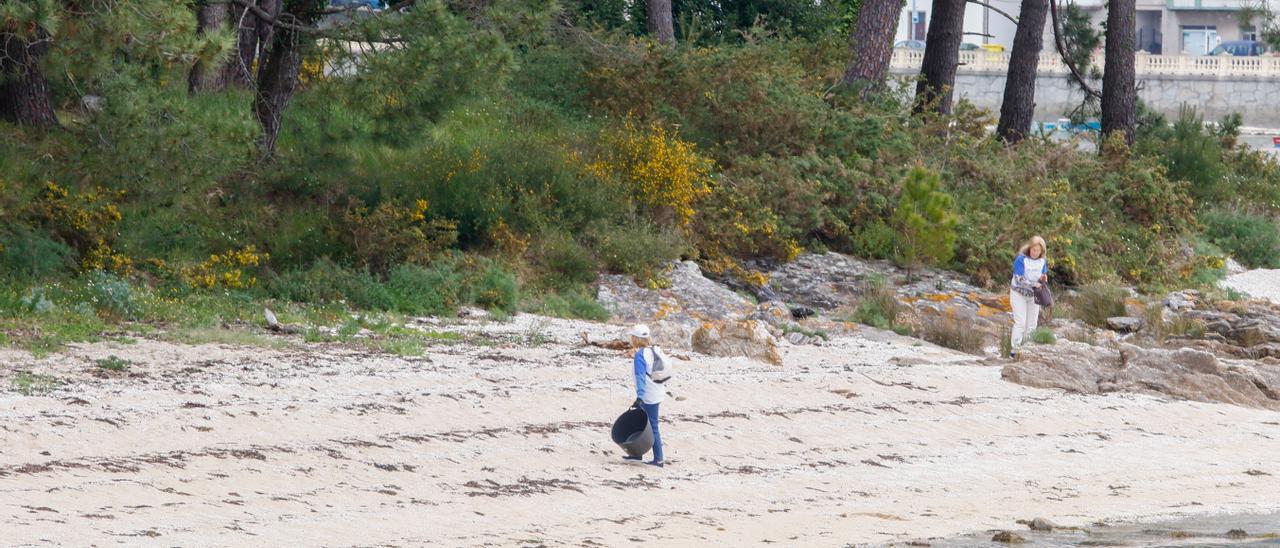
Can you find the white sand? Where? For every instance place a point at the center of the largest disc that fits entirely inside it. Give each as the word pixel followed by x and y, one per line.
pixel 861 441
pixel 1259 284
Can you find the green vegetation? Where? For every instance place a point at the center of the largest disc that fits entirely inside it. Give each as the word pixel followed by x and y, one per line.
pixel 113 363
pixel 497 157
pixel 34 384
pixel 1097 302
pixel 1043 335
pixel 952 332
pixel 878 306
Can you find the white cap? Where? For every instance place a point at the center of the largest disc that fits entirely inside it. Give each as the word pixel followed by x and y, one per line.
pixel 640 331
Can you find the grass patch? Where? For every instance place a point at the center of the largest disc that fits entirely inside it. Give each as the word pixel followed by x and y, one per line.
pixel 113 363
pixel 228 336
pixel 949 331
pixel 797 328
pixel 1097 302
pixel 569 304
pixel 34 384
pixel 1043 335
pixel 877 307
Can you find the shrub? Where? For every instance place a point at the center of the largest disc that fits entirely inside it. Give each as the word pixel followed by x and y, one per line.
pixel 85 221
pixel 1043 335
pixel 878 306
pixel 572 304
pixel 950 331
pixel 326 282
pixel 564 262
pixel 638 250
pixel 1194 154
pixel 660 171
pixel 111 296
pixel 1094 303
pixel 390 234
pixel 497 290
pixel 436 290
pixel 926 221
pixel 113 363
pixel 31 255
pixel 226 270
pixel 1252 239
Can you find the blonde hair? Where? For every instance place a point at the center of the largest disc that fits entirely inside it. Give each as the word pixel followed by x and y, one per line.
pixel 1035 240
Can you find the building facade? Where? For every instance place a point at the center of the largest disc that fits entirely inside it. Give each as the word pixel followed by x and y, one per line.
pixel 1168 27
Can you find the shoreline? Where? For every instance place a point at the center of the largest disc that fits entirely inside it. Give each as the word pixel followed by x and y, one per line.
pixel 871 438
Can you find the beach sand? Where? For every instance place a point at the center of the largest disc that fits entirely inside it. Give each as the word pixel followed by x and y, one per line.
pixel 1258 284
pixel 504 440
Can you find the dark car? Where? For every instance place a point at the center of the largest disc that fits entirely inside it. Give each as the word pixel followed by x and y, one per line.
pixel 910 44
pixel 1240 48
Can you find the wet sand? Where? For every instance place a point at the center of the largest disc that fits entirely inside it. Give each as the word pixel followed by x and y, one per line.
pixel 504 440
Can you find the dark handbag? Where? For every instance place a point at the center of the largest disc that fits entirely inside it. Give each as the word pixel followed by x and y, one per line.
pixel 1043 296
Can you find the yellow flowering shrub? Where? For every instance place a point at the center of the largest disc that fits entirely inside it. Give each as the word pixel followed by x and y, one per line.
pixel 227 270
pixel 660 170
pixel 391 234
pixel 86 221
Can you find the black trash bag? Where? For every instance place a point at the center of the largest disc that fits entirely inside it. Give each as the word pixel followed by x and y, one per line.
pixel 632 432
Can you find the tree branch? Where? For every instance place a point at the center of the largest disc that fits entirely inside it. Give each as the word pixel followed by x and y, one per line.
pixel 1062 52
pixel 995 9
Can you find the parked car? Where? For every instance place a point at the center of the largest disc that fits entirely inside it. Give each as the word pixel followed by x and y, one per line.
pixel 1240 48
pixel 967 46
pixel 910 44
pixel 993 47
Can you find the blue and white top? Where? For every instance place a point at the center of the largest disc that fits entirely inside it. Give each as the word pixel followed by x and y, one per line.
pixel 647 390
pixel 1026 273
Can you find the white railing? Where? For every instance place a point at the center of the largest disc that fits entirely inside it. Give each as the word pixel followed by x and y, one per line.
pixel 1050 63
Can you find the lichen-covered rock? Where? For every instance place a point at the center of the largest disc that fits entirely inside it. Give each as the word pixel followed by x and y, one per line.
pixel 1124 324
pixel 690 300
pixel 746 338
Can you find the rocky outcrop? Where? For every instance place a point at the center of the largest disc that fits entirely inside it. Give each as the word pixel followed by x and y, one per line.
pixel 697 314
pixel 827 281
pixel 747 338
pixel 1184 373
pixel 690 300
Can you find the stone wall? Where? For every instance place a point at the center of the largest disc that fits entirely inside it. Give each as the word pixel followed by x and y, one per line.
pixel 1214 96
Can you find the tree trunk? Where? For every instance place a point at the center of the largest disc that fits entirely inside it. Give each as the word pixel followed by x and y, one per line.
pixel 1119 92
pixel 872 43
pixel 266 32
pixel 210 18
pixel 941 55
pixel 661 25
pixel 239 70
pixel 1019 106
pixel 24 93
pixel 277 82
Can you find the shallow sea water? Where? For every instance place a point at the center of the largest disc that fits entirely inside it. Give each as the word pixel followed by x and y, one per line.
pixel 1261 530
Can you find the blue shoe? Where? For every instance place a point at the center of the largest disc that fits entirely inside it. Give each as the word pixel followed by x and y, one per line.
pixel 657 463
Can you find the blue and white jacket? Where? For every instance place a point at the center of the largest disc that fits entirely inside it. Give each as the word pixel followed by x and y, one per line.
pixel 647 390
pixel 1026 274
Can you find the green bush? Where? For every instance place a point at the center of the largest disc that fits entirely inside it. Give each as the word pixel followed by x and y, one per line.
pixel 565 263
pixel 30 255
pixel 573 304
pixel 327 282
pixel 1094 303
pixel 926 221
pixel 497 290
pixel 111 296
pixel 877 306
pixel 639 250
pixel 437 290
pixel 1043 335
pixel 1254 240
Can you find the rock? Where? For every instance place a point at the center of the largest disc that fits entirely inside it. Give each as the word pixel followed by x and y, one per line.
pixel 472 313
pixel 746 338
pixel 1232 267
pixel 1237 534
pixel 1124 324
pixel 802 312
pixel 1008 537
pixel 1042 525
pixel 773 313
pixel 1181 300
pixel 691 300
pixel 1183 373
pixel 670 334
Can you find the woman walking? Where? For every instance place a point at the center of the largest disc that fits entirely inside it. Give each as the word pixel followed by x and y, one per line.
pixel 649 389
pixel 1030 270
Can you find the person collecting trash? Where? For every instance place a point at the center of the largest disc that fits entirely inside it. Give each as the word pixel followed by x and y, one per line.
pixel 651 369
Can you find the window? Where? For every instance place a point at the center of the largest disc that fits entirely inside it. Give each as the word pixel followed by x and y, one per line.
pixel 1249 33
pixel 1199 39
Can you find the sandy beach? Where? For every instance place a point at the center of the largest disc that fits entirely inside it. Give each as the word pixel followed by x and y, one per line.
pixel 503 440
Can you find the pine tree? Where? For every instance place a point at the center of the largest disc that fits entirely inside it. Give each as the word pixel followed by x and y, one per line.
pixel 926 221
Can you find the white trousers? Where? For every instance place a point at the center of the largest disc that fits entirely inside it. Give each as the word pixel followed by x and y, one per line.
pixel 1026 314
